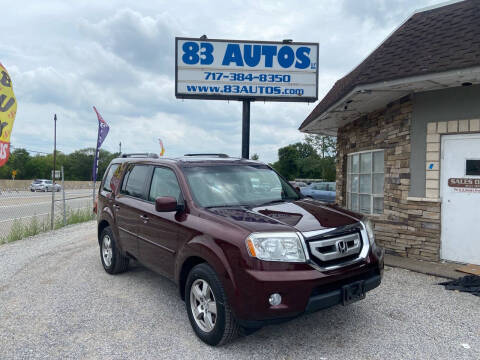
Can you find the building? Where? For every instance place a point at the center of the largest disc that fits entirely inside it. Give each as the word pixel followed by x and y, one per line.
pixel 407 121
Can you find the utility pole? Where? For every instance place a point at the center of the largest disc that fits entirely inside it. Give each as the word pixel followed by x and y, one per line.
pixel 52 220
pixel 120 147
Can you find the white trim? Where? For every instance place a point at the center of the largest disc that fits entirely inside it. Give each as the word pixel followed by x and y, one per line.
pixel 413 198
pixel 365 151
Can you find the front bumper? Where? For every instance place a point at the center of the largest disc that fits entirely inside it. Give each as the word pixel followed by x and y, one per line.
pixel 303 290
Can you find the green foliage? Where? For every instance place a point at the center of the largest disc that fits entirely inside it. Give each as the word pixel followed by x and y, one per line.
pixel 77 165
pixel 21 229
pixel 326 146
pixel 255 157
pixel 312 159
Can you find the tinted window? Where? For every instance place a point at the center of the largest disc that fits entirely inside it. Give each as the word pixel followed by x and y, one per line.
pixel 108 177
pixel 164 183
pixel 134 182
pixel 473 167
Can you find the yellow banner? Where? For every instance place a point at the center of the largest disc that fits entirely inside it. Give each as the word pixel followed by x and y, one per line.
pixel 8 110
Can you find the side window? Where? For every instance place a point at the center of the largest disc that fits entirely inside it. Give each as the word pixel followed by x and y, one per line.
pixel 108 178
pixel 164 183
pixel 134 181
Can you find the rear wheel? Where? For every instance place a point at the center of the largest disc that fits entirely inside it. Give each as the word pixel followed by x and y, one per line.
pixel 207 306
pixel 113 260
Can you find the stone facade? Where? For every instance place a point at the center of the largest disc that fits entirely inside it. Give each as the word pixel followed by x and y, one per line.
pixel 408 226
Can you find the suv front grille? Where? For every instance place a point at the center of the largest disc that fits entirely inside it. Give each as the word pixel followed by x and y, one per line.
pixel 335 250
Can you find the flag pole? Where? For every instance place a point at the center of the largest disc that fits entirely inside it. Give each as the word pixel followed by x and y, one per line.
pixel 95 167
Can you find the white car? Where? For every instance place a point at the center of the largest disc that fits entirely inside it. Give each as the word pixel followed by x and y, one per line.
pixel 44 185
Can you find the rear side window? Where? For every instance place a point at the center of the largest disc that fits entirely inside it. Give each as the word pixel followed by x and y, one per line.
pixel 108 178
pixel 134 181
pixel 164 183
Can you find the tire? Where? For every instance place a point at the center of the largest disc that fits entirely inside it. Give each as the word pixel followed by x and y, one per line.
pixel 225 326
pixel 113 261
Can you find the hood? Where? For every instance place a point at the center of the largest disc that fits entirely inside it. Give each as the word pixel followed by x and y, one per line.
pixel 301 215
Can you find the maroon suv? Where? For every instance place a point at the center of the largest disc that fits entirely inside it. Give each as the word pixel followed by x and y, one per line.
pixel 245 248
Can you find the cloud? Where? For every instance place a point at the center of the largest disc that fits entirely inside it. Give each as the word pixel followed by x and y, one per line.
pixel 64 58
pixel 143 41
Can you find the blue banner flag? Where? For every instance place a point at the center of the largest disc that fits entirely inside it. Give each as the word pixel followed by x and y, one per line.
pixel 103 129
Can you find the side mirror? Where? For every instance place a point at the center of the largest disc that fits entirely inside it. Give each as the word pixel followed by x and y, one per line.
pixel 297 188
pixel 167 204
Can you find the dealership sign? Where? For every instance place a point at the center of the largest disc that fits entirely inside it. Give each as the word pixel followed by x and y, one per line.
pixel 255 70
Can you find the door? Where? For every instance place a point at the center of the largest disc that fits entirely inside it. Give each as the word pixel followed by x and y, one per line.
pixel 460 191
pixel 128 206
pixel 158 231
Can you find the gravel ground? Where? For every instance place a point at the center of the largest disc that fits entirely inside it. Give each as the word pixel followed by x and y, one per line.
pixel 56 302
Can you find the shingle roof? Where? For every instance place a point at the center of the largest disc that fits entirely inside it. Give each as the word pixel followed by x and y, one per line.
pixel 431 41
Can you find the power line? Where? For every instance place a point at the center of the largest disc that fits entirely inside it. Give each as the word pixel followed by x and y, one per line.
pixel 34 151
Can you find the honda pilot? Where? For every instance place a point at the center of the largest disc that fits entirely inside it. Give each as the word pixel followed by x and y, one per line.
pixel 244 247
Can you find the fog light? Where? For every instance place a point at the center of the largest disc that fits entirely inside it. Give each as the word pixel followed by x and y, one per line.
pixel 275 299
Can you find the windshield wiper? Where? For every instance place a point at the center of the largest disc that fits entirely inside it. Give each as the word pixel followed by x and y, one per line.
pixel 225 206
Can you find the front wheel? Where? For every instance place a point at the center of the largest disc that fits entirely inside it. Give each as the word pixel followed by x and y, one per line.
pixel 113 260
pixel 207 306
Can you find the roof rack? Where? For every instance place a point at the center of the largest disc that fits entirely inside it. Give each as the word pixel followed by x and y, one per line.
pixel 140 155
pixel 211 155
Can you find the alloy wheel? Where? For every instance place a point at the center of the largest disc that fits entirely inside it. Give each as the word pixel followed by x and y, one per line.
pixel 107 251
pixel 203 305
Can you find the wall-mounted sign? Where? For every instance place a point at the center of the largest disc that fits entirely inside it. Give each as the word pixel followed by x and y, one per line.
pixel 256 70
pixel 464 184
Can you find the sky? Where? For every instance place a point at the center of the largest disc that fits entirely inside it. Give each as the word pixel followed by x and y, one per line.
pixel 66 56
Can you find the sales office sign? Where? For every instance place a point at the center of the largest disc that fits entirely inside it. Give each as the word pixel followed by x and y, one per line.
pixel 464 184
pixel 256 70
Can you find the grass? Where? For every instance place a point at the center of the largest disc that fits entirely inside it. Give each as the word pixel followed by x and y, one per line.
pixel 23 229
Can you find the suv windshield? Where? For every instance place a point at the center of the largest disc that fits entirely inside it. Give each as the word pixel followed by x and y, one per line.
pixel 235 185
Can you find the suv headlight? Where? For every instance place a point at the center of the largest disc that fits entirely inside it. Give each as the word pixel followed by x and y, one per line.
pixel 281 246
pixel 369 228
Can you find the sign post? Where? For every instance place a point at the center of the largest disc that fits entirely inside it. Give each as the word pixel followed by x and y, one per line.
pixel 213 69
pixel 246 129
pixel 52 220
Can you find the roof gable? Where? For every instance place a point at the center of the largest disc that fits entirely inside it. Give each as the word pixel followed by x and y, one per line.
pixel 432 41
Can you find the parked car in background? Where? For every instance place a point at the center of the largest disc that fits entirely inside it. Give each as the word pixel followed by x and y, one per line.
pixel 244 248
pixel 44 185
pixel 40 185
pixel 320 191
pixel 57 187
pixel 298 184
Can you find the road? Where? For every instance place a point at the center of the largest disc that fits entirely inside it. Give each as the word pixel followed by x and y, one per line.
pixel 24 205
pixel 56 302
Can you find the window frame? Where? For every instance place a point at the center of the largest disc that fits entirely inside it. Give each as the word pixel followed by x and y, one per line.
pixel 372 174
pixel 149 184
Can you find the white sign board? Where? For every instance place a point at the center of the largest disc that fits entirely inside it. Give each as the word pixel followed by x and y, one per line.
pixel 57 174
pixel 255 70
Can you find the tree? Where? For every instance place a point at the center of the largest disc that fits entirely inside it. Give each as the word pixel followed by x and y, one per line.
pixel 300 160
pixel 326 146
pixel 77 165
pixel 255 157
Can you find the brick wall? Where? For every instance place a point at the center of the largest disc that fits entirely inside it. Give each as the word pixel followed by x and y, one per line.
pixel 407 227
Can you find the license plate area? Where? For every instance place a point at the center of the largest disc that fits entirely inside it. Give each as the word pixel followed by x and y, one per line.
pixel 353 292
